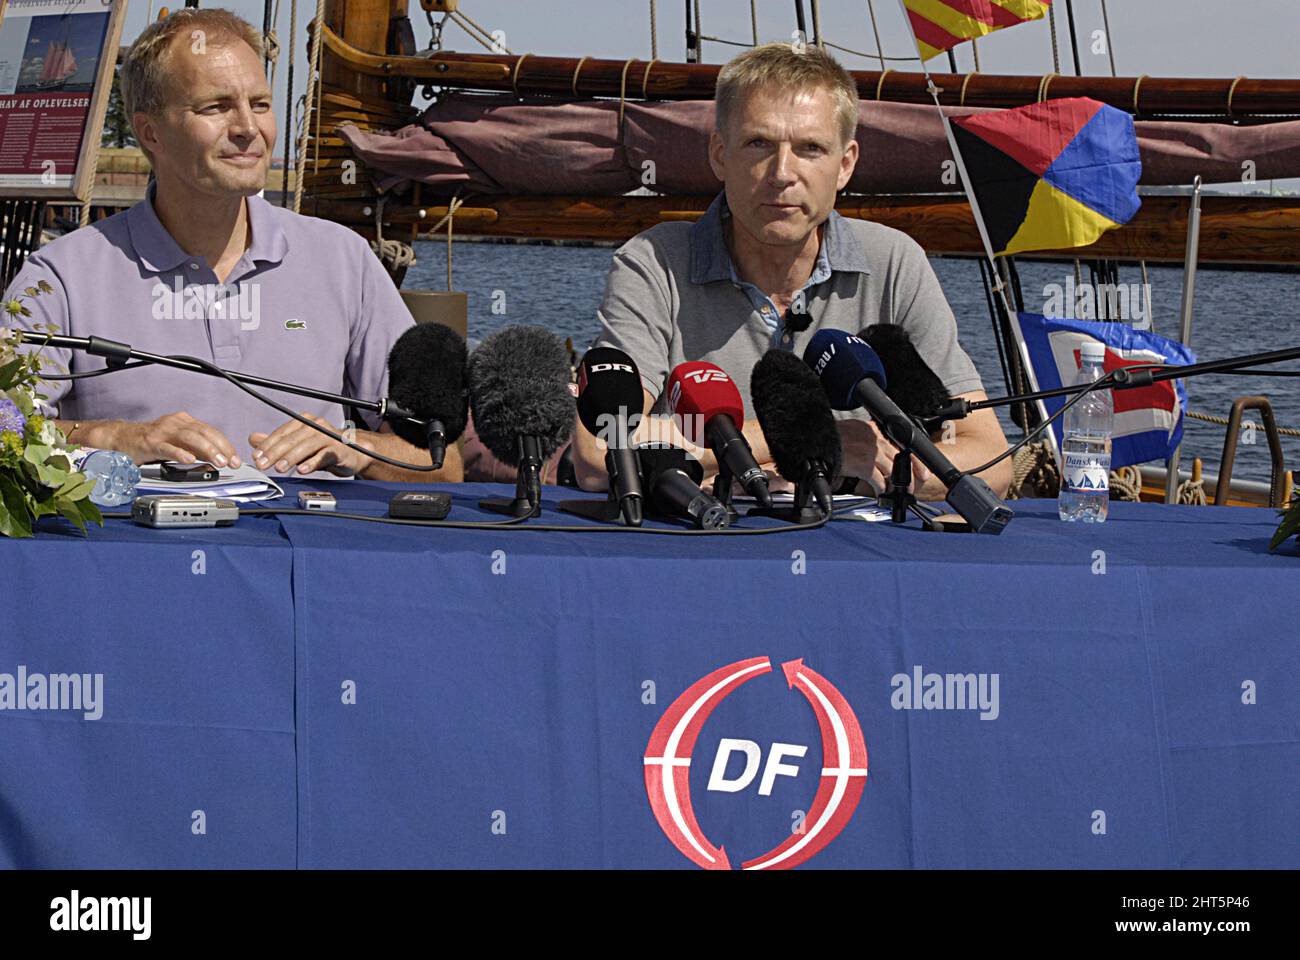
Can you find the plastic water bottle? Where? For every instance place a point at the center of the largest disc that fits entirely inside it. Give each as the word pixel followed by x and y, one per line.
pixel 1085 446
pixel 116 475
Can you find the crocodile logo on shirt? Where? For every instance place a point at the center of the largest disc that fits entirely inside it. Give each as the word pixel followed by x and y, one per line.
pixel 295 324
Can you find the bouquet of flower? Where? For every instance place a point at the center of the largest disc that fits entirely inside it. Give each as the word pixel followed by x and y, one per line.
pixel 36 473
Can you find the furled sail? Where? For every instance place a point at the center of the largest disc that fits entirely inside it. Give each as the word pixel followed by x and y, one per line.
pixel 492 144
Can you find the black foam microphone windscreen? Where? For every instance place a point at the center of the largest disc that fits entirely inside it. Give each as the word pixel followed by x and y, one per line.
pixel 426 375
pixel 795 415
pixel 910 382
pixel 519 387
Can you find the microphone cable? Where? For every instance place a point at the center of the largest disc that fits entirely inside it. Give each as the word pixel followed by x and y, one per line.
pixel 223 374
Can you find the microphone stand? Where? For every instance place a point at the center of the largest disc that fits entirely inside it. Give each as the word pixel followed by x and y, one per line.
pixel 527 501
pixel 805 508
pixel 628 511
pixel 897 495
pixel 722 488
pixel 1123 378
pixel 117 355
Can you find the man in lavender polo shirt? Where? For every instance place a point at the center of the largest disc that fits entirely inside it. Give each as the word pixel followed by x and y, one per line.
pixel 203 267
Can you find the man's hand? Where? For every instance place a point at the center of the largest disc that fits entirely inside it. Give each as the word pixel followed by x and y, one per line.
pixel 296 445
pixel 176 436
pixel 870 457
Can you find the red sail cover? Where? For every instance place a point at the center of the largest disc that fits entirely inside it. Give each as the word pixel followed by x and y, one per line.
pixel 495 144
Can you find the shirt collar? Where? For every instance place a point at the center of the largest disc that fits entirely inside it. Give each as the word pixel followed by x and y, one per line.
pixel 711 261
pixel 158 250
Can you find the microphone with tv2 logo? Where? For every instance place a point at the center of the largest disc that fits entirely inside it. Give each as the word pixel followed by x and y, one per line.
pixel 709 412
pixel 609 406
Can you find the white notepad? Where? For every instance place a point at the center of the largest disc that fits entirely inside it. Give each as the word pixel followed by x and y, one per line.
pixel 246 484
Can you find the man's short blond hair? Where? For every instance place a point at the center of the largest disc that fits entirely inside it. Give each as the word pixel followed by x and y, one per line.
pixel 145 80
pixel 783 66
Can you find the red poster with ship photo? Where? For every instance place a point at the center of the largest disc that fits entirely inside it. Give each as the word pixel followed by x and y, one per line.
pixel 56 62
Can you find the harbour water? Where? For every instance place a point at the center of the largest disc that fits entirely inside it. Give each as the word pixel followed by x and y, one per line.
pixel 1236 312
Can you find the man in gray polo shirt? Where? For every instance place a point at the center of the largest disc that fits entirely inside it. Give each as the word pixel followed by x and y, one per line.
pixel 771 262
pixel 204 267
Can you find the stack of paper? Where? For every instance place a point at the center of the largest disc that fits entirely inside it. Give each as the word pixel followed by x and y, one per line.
pixel 244 485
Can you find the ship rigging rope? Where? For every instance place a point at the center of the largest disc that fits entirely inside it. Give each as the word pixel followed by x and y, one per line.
pixel 313 92
pixel 875 29
pixel 961 102
pixel 459 15
pixel 514 74
pixel 817 23
pixel 577 70
pixel 271 45
pixel 869 56
pixel 1223 422
pixel 654 32
pixel 1056 55
pixel 1110 47
pixel 753 20
pixel 288 99
pixel 449 218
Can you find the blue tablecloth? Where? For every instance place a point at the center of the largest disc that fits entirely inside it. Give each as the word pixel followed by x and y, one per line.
pixel 328 693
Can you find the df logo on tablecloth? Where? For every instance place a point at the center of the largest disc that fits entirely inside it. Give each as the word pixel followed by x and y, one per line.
pixel 668 765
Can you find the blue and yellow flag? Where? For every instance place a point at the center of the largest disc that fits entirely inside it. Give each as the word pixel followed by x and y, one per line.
pixel 1051 175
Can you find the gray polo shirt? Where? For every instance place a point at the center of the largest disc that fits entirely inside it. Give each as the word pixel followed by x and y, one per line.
pixel 672 295
pixel 308 303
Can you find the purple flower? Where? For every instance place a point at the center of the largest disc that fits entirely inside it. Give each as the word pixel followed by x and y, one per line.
pixel 11 418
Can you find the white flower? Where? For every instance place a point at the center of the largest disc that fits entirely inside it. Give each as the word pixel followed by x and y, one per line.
pixel 49 435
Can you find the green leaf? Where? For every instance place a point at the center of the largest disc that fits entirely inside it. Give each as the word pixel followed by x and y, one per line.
pixel 1289 526
pixel 45 286
pixel 37 453
pixel 70 511
pixel 52 476
pixel 78 487
pixel 90 512
pixel 8 372
pixel 15 521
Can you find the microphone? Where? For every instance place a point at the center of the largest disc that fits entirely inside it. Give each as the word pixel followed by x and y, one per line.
pixel 854 377
pixel 610 399
pixel 673 479
pixel 800 430
pixel 912 385
pixel 523 411
pixel 710 413
pixel 426 376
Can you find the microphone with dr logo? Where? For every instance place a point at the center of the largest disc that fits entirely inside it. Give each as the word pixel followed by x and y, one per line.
pixel 609 406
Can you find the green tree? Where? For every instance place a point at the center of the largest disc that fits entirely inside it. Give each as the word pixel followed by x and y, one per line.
pixel 117 125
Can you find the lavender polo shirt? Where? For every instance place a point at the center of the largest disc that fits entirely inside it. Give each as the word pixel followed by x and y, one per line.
pixel 308 303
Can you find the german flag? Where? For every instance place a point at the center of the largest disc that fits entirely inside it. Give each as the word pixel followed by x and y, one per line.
pixel 1050 176
pixel 942 24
